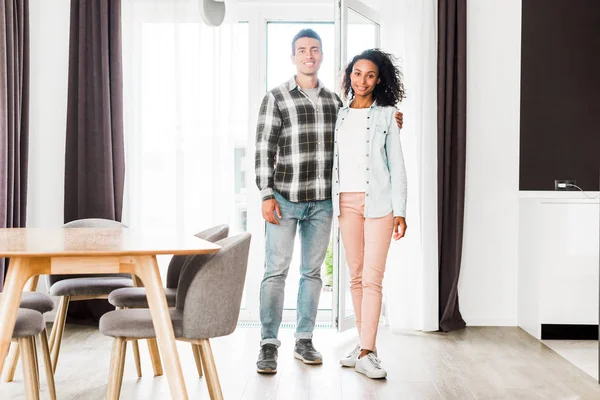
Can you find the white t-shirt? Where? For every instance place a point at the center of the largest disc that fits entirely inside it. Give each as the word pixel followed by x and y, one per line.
pixel 351 141
pixel 312 94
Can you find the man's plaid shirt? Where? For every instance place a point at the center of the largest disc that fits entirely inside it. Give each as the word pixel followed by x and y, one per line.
pixel 294 143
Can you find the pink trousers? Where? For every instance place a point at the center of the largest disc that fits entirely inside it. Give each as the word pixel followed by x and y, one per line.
pixel 366 242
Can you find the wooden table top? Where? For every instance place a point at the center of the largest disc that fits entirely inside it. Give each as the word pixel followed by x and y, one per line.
pixel 61 242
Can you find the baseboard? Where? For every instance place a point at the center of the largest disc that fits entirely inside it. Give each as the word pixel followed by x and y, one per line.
pixel 491 321
pixel 569 332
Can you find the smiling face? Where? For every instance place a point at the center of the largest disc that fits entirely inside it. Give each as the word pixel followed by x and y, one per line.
pixel 364 78
pixel 307 56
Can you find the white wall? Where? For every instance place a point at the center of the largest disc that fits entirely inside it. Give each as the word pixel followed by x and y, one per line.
pixel 49 71
pixel 488 282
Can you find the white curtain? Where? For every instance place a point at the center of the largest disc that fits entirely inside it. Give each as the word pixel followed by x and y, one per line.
pixel 186 117
pixel 409 31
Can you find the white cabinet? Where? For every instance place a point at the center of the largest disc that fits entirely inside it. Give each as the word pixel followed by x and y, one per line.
pixel 558 259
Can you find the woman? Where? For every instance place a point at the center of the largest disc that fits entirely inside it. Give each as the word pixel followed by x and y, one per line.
pixel 369 191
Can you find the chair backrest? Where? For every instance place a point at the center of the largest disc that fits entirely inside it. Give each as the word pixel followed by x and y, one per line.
pixel 94 223
pixel 176 264
pixel 211 299
pixel 87 223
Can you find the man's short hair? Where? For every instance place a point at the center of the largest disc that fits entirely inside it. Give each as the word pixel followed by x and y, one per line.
pixel 308 33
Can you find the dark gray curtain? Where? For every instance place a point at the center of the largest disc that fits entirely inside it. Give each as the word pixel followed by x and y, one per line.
pixel 452 116
pixel 94 157
pixel 14 114
pixel 94 161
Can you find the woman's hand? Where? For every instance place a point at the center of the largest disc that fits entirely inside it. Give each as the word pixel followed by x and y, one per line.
pixel 399 228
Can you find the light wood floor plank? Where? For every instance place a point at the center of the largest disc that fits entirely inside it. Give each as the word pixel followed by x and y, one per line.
pixel 475 363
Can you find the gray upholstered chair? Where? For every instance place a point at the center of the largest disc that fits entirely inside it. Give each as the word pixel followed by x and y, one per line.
pixel 83 287
pixel 209 296
pixel 136 297
pixel 28 325
pixel 39 302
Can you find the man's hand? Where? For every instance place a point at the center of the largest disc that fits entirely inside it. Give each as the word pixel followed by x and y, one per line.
pixel 268 206
pixel 399 227
pixel 399 119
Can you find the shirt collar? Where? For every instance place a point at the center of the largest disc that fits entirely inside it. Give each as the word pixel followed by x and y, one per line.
pixel 347 106
pixel 292 84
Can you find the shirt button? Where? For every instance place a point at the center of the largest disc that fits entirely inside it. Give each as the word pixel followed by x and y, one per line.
pixel 367 182
pixel 368 128
pixel 367 168
pixel 367 155
pixel 367 194
pixel 367 140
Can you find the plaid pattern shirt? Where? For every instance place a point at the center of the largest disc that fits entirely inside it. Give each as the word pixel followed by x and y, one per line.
pixel 294 143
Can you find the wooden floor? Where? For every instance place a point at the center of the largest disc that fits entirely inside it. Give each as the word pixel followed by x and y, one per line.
pixel 475 363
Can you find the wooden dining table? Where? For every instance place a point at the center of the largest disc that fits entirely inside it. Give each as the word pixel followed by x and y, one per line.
pixel 41 251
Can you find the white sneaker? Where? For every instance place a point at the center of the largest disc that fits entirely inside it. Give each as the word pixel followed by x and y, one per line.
pixel 350 359
pixel 370 366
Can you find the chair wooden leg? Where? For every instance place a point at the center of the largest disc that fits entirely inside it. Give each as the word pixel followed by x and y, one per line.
pixel 52 337
pixel 122 364
pixel 48 365
pixel 136 356
pixel 117 364
pixel 59 321
pixel 210 370
pixel 154 356
pixel 11 362
pixel 28 369
pixel 35 362
pixel 196 352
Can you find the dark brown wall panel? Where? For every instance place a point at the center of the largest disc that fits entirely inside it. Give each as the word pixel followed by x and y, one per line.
pixel 560 93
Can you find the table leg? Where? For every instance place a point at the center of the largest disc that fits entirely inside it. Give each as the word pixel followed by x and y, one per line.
pixel 152 347
pixel 146 268
pixel 18 273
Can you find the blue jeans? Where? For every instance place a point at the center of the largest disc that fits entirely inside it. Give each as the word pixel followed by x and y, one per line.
pixel 313 218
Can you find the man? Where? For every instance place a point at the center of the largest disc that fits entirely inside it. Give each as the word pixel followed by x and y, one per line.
pixel 293 161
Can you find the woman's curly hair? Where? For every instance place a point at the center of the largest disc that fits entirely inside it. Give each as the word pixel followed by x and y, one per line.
pixel 390 89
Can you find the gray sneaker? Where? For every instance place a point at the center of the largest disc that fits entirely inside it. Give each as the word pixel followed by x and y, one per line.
pixel 267 359
pixel 305 351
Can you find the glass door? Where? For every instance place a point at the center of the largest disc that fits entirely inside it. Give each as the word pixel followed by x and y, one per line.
pixel 357 29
